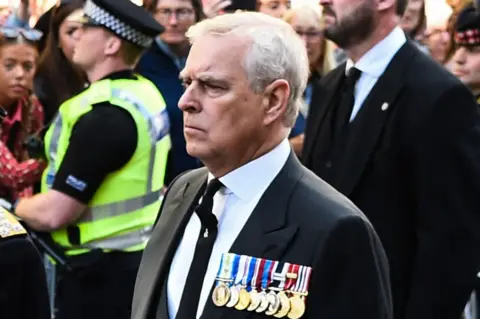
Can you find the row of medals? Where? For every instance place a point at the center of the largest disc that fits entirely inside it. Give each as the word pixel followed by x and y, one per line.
pixel 277 304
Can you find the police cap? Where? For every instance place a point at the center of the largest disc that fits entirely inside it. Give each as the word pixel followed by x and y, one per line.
pixel 467 27
pixel 124 18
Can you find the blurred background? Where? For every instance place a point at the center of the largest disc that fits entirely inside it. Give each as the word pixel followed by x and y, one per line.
pixel 437 11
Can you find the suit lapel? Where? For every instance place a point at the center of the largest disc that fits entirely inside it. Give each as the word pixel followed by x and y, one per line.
pixel 323 97
pixel 369 123
pixel 266 233
pixel 163 243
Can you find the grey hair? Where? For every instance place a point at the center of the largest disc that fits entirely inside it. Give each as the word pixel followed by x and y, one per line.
pixel 276 52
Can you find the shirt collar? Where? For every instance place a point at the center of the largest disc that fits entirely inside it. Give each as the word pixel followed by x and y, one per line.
pixel 119 75
pixel 16 116
pixel 246 182
pixel 377 59
pixel 179 61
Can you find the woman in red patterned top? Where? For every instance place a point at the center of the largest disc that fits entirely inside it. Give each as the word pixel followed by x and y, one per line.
pixel 21 114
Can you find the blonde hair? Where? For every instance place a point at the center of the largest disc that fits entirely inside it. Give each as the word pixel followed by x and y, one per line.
pixel 276 52
pixel 311 13
pixel 131 53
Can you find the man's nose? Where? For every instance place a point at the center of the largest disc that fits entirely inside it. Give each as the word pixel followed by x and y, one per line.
pixel 188 102
pixel 172 19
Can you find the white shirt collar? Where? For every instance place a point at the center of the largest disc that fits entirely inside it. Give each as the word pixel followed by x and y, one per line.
pixel 377 59
pixel 253 178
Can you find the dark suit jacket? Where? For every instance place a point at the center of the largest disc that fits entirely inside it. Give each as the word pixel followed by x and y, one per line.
pixel 23 287
pixel 299 219
pixel 412 165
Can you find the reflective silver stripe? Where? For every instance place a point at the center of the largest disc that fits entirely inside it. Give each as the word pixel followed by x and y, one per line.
pixel 120 242
pixel 53 149
pixel 124 95
pixel 119 208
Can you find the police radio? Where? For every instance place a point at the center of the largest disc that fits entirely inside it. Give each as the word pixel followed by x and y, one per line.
pixel 34 146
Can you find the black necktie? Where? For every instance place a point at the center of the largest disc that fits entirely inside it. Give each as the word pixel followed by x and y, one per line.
pixel 347 100
pixel 203 250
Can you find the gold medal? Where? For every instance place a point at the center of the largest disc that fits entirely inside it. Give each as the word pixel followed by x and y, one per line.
pixel 273 303
pixel 297 307
pixel 254 300
pixel 243 300
pixel 234 296
pixel 221 295
pixel 263 302
pixel 284 308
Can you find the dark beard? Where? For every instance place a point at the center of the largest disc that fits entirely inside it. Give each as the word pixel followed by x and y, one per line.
pixel 353 29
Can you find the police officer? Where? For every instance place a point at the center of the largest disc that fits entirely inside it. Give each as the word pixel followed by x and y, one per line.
pixel 106 153
pixel 465 62
pixel 23 288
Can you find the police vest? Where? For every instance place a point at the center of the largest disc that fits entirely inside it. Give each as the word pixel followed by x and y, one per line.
pixel 121 213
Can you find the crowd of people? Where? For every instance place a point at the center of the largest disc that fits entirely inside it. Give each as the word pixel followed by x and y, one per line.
pixel 215 159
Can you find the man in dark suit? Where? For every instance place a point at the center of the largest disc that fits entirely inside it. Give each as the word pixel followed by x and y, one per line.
pixel 400 136
pixel 23 286
pixel 266 232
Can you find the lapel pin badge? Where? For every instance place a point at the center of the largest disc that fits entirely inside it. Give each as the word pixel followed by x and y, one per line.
pixel 384 106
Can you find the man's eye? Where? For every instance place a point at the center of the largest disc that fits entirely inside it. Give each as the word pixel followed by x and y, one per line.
pixel 186 83
pixel 211 86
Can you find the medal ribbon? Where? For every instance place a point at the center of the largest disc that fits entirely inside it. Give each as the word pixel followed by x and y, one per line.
pixel 247 279
pixel 220 270
pixel 272 273
pixel 306 280
pixel 279 278
pixel 292 269
pixel 234 268
pixel 253 283
pixel 300 278
pixel 242 268
pixel 258 277
pixel 227 267
pixel 266 274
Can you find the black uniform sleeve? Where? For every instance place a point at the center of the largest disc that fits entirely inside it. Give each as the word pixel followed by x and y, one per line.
pixel 102 141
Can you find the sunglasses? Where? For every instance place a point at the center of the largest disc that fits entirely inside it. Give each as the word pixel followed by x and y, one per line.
pixel 28 34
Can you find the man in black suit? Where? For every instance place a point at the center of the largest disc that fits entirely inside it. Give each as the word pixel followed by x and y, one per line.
pixel 266 232
pixel 400 136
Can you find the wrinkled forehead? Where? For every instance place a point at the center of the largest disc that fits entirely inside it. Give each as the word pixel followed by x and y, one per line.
pixel 220 55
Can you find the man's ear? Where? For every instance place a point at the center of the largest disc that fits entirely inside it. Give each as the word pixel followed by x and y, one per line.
pixel 275 100
pixel 383 5
pixel 113 44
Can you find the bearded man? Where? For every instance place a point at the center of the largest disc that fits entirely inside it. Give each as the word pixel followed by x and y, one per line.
pixel 399 136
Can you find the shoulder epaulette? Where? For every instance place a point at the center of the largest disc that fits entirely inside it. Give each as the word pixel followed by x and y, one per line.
pixel 9 225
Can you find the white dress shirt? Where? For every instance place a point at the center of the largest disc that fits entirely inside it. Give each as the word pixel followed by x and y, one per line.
pixel 373 64
pixel 232 206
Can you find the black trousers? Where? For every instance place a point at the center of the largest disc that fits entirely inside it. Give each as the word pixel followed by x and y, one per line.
pixel 101 288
